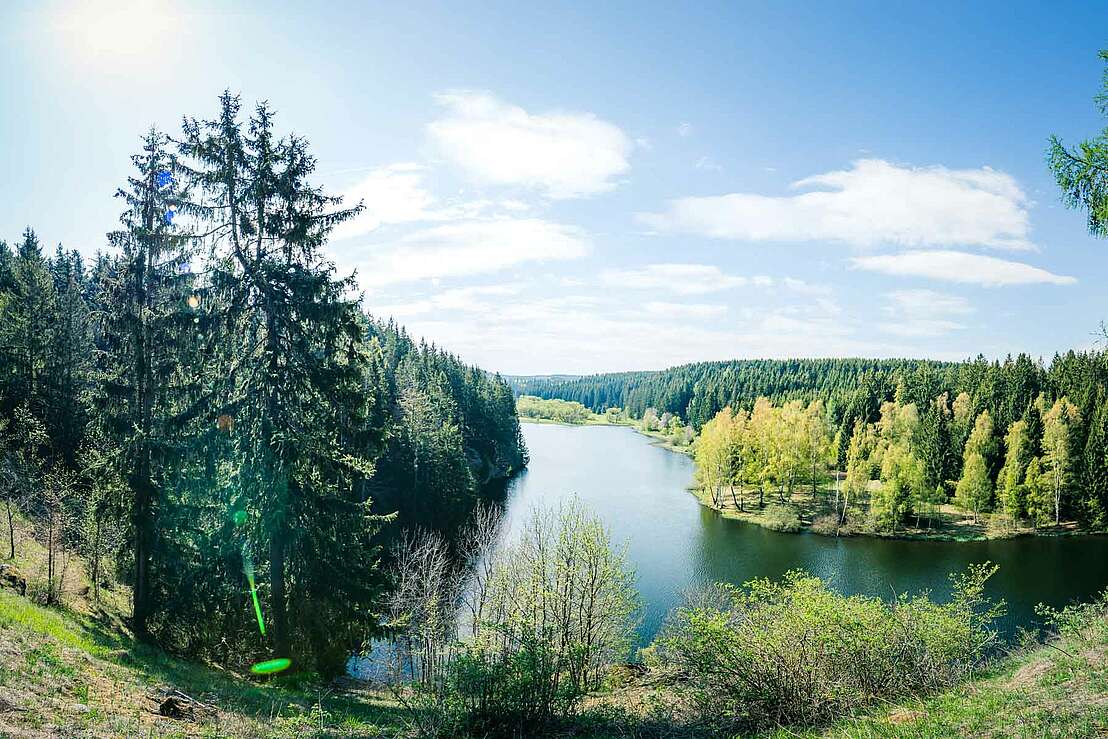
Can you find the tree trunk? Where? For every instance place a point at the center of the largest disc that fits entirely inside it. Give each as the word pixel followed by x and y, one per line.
pixel 143 536
pixel 11 530
pixel 277 585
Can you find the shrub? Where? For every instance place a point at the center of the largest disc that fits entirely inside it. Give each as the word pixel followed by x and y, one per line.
pixel 781 518
pixel 826 525
pixel 548 615
pixel 796 652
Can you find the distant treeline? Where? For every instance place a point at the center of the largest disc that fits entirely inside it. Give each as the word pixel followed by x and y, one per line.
pixel 969 413
pixel 204 408
pixel 562 411
pixel 696 392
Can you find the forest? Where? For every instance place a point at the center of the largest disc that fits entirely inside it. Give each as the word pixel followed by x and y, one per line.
pixel 205 405
pixel 1022 439
pixel 205 424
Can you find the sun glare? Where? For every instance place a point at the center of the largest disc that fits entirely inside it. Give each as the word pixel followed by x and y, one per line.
pixel 115 31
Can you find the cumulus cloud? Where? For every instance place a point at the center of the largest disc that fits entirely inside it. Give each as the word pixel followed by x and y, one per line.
pixel 694 279
pixel 464 248
pixel 684 310
pixel 956 266
pixel 873 202
pixel 680 279
pixel 560 154
pixel 923 313
pixel 392 194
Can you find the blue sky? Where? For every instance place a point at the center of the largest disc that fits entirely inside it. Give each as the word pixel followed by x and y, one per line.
pixel 592 187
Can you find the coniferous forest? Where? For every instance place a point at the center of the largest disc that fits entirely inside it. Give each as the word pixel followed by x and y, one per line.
pixel 205 404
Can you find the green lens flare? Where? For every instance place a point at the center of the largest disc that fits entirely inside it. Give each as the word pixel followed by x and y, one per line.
pixel 271 666
pixel 239 517
pixel 257 608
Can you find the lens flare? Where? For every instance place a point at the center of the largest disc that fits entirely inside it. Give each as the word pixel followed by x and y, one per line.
pixel 271 666
pixel 248 568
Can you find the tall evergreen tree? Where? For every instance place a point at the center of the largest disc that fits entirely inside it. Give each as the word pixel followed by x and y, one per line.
pixel 143 371
pixel 294 369
pixel 69 365
pixel 27 323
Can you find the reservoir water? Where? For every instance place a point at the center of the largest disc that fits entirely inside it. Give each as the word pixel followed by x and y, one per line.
pixel 640 492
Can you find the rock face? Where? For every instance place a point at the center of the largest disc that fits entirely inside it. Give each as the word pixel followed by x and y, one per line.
pixel 13 579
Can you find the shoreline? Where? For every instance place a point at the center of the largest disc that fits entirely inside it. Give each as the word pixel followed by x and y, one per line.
pixel 656 438
pixel 970 532
pixel 965 532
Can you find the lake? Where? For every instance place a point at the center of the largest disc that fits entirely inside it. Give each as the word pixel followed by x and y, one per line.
pixel 640 492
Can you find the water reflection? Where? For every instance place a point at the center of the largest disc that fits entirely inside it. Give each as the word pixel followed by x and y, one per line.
pixel 674 543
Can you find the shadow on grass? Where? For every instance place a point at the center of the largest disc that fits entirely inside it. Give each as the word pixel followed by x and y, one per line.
pixel 231 693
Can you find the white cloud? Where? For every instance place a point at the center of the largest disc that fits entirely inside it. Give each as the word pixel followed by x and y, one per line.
pixel 680 279
pixel 709 164
pixel 684 310
pixel 694 279
pixel 392 194
pixel 463 299
pixel 873 202
pixel 956 266
pixel 464 248
pixel 582 333
pixel 923 313
pixel 562 154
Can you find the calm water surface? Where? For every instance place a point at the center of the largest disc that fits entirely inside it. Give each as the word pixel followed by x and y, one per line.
pixel 640 491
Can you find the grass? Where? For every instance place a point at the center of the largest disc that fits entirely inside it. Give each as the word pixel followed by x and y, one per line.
pixel 75 677
pixel 1059 690
pixel 74 670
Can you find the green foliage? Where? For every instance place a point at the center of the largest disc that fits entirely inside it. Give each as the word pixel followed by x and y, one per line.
pixel 794 652
pixel 170 386
pixel 549 614
pixel 975 489
pixel 1080 172
pixel 777 517
pixel 562 411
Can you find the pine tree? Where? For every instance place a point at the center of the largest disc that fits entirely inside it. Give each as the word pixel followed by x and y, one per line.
pixel 143 369
pixel 1079 172
pixel 294 365
pixel 1094 509
pixel 67 375
pixel 27 322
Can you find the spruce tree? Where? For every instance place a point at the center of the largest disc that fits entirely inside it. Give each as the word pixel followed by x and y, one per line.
pixel 69 365
pixel 26 326
pixel 294 366
pixel 146 324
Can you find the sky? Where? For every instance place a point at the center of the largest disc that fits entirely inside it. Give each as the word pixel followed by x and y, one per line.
pixel 586 187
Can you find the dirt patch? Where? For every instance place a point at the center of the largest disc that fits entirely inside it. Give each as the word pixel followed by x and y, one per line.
pixel 1029 675
pixel 904 716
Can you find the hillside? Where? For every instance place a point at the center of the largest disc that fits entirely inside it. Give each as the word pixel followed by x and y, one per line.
pixel 76 671
pixel 74 674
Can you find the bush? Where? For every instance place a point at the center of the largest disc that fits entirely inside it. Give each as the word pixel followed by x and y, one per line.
pixel 547 616
pixel 781 518
pixel 796 652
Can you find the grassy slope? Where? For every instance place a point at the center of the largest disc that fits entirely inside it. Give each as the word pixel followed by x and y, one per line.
pixel 78 678
pixel 1060 690
pixel 77 672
